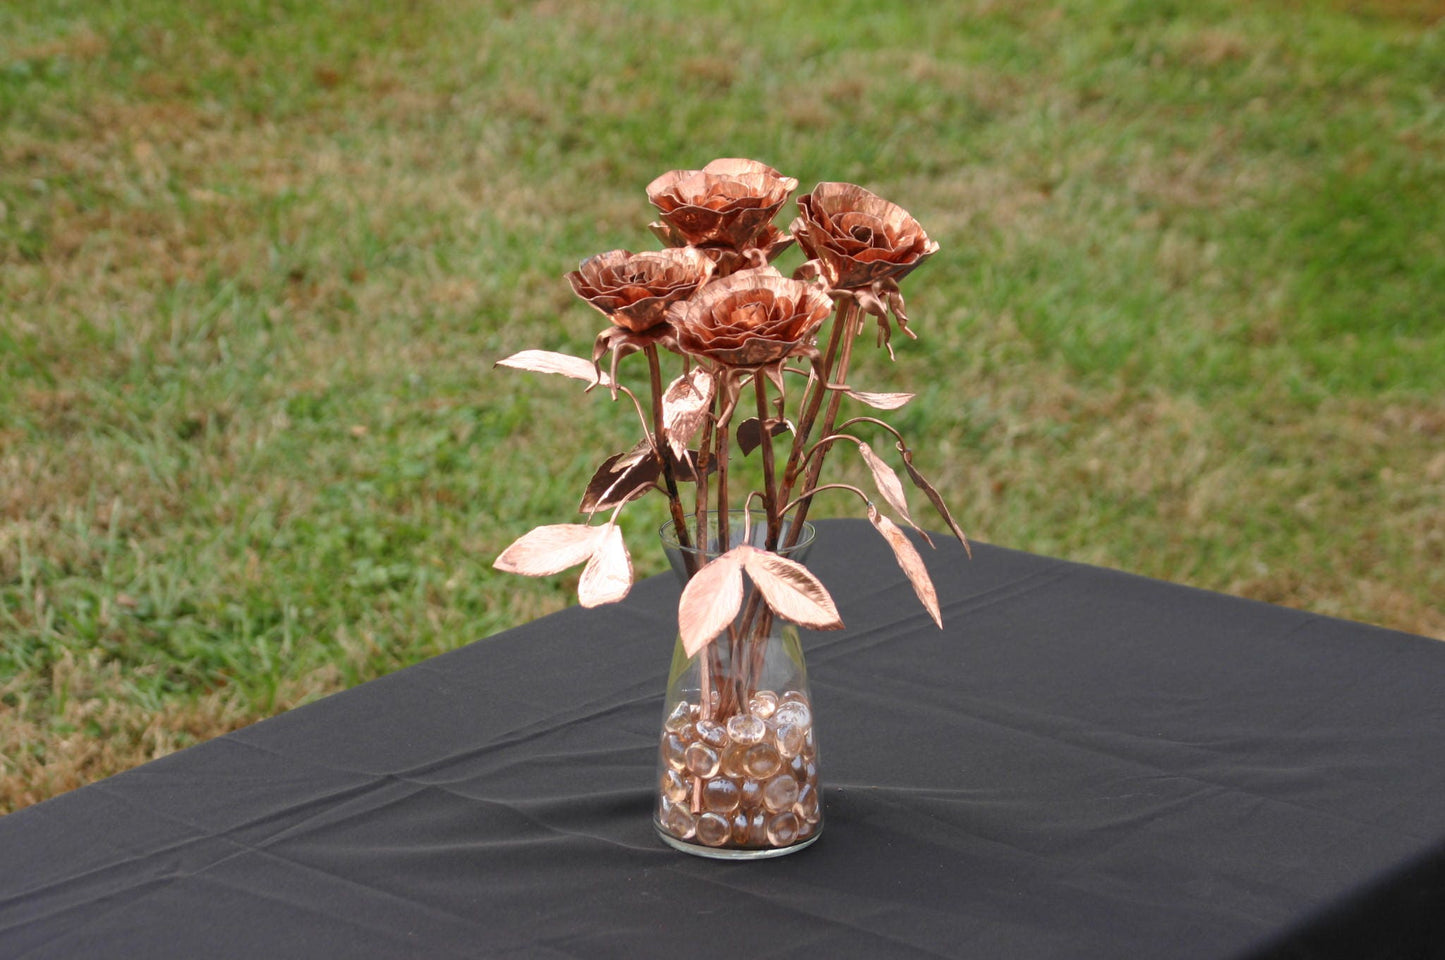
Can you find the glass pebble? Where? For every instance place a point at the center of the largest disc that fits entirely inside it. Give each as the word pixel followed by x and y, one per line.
pixel 713 829
pixel 677 820
pixel 721 795
pixel 680 717
pixel 701 760
pixel 749 780
pixel 712 733
pixel 794 712
pixel 789 737
pixel 780 793
pixel 674 751
pixel 807 807
pixel 747 729
pixel 676 787
pixel 763 703
pixel 733 757
pixel 783 829
pixel 761 761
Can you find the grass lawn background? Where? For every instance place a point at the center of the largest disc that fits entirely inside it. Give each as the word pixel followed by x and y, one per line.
pixel 256 263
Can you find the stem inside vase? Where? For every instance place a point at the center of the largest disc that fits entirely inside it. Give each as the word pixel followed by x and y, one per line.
pixel 738 759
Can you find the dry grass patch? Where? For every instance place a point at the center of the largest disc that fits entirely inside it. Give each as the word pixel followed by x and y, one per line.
pixel 97 729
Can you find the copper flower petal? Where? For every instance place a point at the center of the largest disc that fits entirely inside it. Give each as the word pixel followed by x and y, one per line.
pixel 751 318
pixel 622 342
pixel 733 225
pixel 859 237
pixel 762 250
pixel 737 166
pixel 634 290
pixel 730 202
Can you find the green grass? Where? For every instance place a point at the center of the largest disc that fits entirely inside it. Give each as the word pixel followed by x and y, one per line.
pixel 1188 318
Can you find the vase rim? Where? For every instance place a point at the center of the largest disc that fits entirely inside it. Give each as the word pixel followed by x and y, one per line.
pixel 668 533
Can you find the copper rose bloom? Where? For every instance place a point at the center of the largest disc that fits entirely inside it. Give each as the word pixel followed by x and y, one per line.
pixel 752 318
pixel 728 203
pixel 634 290
pixel 859 237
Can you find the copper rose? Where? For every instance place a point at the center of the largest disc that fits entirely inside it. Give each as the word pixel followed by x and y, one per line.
pixel 752 318
pixel 728 203
pixel 859 237
pixel 634 290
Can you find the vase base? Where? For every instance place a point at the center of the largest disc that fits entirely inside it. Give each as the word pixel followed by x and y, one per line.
pixel 735 853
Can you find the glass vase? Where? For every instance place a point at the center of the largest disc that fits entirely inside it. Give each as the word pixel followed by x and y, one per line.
pixel 737 770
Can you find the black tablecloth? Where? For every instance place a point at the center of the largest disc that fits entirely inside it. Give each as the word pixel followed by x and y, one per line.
pixel 1082 764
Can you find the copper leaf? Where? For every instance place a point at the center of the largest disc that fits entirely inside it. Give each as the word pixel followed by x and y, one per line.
pixel 548 361
pixel 550 549
pixel 621 478
pixel 684 468
pixel 909 560
pixel 710 601
pixel 880 401
pixel 791 590
pixel 685 407
pixel 934 497
pixel 750 435
pixel 608 575
pixel 889 486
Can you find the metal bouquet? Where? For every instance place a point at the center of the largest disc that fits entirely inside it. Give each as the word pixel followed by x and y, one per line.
pixel 745 340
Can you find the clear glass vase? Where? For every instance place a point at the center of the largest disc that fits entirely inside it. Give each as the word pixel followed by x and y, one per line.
pixel 737 769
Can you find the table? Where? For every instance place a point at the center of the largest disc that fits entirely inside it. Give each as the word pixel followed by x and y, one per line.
pixel 1083 763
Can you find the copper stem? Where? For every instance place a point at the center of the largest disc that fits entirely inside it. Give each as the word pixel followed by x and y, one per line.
pixel 760 647
pixel 704 463
pixel 705 684
pixel 709 662
pixel 813 402
pixel 724 521
pixel 770 483
pixel 674 501
pixel 846 318
pixel 752 635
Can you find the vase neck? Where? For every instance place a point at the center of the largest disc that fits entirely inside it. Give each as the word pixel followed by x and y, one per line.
pixel 752 530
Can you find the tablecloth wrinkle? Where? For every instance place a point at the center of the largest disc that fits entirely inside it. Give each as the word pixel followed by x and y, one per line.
pixel 423 916
pixel 816 930
pixel 909 617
